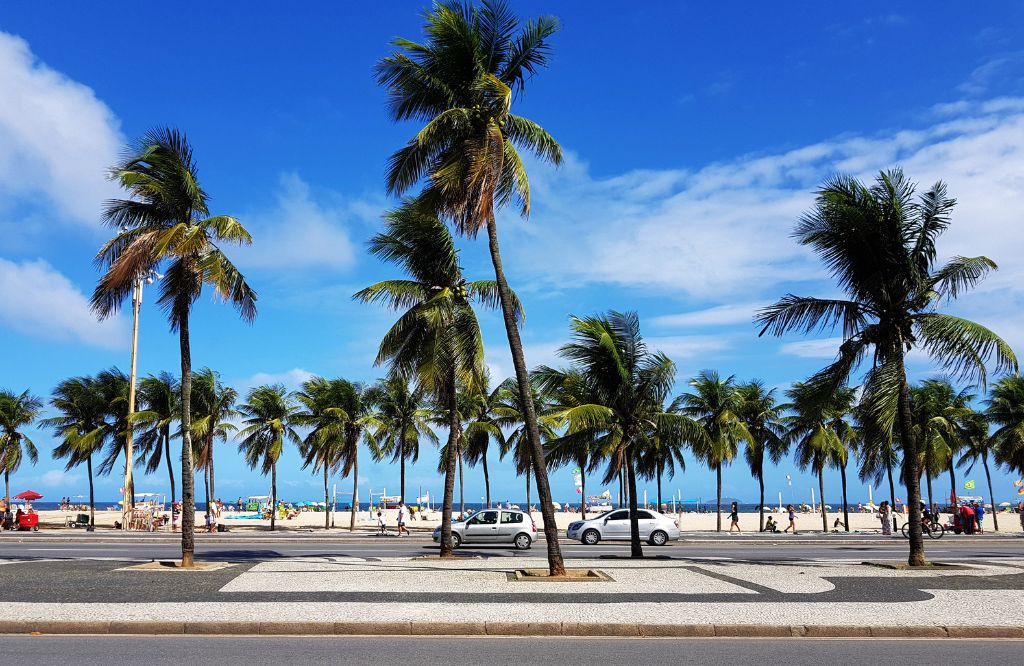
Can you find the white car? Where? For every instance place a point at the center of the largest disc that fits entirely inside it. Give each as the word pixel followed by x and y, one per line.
pixel 656 528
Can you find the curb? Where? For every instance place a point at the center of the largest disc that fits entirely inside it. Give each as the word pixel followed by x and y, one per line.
pixel 315 628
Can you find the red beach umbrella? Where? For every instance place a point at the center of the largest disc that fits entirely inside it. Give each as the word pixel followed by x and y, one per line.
pixel 29 495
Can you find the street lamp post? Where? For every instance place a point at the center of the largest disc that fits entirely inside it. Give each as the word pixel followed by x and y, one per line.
pixel 129 490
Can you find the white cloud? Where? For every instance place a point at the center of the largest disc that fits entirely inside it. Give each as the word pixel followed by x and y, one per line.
pixel 687 347
pixel 721 315
pixel 724 231
pixel 301 231
pixel 59 478
pixel 826 348
pixel 39 301
pixel 57 140
pixel 291 379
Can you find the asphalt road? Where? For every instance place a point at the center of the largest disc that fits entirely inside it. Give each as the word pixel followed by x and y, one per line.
pixel 255 651
pixel 256 549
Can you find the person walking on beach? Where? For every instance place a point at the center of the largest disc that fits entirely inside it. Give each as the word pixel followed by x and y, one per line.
pixel 734 517
pixel 883 515
pixel 402 515
pixel 792 519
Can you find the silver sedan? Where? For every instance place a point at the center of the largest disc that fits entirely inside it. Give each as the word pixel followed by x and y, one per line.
pixel 493 526
pixel 656 528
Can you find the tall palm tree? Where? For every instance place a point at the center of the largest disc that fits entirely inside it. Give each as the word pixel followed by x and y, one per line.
pixel 114 386
pixel 936 413
pixel 82 425
pixel 629 385
pixel 977 445
pixel 166 220
pixel 213 407
pixel 762 415
pixel 478 413
pixel 715 404
pixel 158 396
pixel 268 413
pixel 567 388
pixel 818 427
pixel 461 83
pixel 17 412
pixel 437 337
pixel 405 418
pixel 661 457
pixel 879 451
pixel 510 416
pixel 1005 409
pixel 323 403
pixel 879 243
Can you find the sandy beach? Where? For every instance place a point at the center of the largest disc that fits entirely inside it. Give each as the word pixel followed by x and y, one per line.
pixel 688 522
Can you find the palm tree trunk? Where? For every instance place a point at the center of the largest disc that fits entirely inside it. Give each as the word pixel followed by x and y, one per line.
pixel 659 485
pixel 635 549
pixel 821 499
pixel 209 462
pixel 556 566
pixel 170 469
pixel 327 501
pixel 355 490
pixel 760 483
pixel 449 470
pixel 846 510
pixel 206 488
pixel 527 491
pixel 7 488
pixel 583 493
pixel 487 480
pixel 622 490
pixel 913 467
pixel 718 496
pixel 991 495
pixel 928 481
pixel 188 491
pixel 462 484
pixel 401 467
pixel 92 495
pixel 952 485
pixel 273 496
pixel 892 495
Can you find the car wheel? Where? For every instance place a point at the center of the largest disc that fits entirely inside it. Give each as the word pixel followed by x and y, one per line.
pixel 591 537
pixel 456 540
pixel 659 538
pixel 523 541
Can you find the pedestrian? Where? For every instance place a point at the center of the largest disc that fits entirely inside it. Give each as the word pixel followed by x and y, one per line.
pixel 979 515
pixel 1020 512
pixel 967 518
pixel 240 504
pixel 792 519
pixel 734 517
pixel 402 515
pixel 883 515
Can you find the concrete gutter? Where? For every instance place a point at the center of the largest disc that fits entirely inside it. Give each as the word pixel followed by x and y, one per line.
pixel 312 628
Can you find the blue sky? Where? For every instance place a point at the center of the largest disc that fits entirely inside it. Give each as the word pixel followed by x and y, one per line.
pixel 694 135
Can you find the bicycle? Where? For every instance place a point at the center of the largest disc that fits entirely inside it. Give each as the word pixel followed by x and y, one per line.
pixel 931 529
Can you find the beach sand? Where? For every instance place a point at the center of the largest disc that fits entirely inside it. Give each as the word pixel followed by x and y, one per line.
pixel 688 522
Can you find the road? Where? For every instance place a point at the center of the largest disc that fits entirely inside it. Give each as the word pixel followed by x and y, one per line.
pixel 255 651
pixel 261 549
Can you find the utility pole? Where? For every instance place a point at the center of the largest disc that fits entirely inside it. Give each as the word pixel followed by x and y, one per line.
pixel 128 440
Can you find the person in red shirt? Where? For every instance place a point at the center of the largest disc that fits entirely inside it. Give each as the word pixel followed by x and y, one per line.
pixel 967 518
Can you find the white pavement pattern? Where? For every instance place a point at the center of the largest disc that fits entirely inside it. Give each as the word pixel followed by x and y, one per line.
pixel 972 607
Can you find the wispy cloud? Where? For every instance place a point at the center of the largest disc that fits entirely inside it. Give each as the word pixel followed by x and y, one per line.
pixel 38 300
pixel 57 140
pixel 826 348
pixel 721 315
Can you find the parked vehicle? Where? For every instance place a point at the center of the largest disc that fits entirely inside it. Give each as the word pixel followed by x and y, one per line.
pixel 655 528
pixel 493 526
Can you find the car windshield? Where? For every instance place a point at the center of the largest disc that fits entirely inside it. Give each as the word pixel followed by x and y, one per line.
pixel 604 515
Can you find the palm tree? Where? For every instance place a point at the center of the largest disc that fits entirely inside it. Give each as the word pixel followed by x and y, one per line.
pixel 763 418
pixel 324 448
pixel 879 243
pixel 715 404
pixel 818 427
pixel 661 457
pixel 461 83
pixel 166 220
pixel 437 338
pixel 158 396
pixel 628 385
pixel 405 418
pixel 478 412
pixel 511 416
pixel 1005 409
pixel 977 444
pixel 113 384
pixel 17 411
pixel 936 412
pixel 879 452
pixel 268 412
pixel 568 388
pixel 212 408
pixel 82 425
